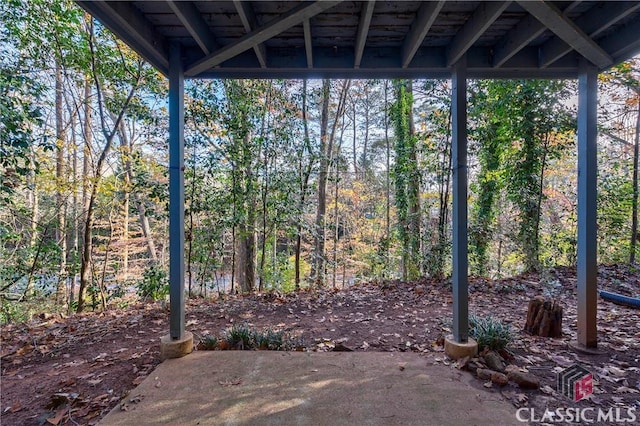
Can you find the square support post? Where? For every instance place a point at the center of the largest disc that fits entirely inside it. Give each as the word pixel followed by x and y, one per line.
pixel 176 192
pixel 459 154
pixel 587 273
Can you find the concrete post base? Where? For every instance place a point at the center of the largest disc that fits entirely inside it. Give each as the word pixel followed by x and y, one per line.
pixel 457 350
pixel 579 347
pixel 170 348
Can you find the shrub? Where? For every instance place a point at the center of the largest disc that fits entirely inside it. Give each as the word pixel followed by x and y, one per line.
pixel 154 284
pixel 490 332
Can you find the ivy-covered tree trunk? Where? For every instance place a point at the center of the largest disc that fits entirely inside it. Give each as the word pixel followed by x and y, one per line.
pixel 484 212
pixel 523 123
pixel 407 181
pixel 526 175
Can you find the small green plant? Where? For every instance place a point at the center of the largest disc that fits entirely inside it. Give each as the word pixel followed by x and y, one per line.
pixel 240 337
pixel 269 340
pixel 13 312
pixel 208 343
pixel 154 284
pixel 490 332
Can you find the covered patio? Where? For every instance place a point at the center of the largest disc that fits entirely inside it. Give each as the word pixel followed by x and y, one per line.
pixel 384 39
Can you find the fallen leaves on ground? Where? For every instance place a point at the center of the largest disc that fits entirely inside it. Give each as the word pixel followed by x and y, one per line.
pixel 98 358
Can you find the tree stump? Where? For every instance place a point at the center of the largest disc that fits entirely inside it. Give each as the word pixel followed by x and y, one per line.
pixel 544 318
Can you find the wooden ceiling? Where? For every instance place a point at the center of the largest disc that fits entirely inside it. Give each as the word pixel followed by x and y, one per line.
pixel 374 39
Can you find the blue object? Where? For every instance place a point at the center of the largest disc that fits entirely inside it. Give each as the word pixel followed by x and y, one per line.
pixel 633 302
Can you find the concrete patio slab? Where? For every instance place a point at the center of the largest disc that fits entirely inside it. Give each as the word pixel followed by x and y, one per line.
pixel 308 388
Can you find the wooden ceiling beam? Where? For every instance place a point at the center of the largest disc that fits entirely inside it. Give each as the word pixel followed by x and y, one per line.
pixel 527 30
pixel 249 21
pixel 593 23
pixel 308 45
pixel 425 18
pixel 484 15
pixel 363 30
pixel 569 32
pixel 191 18
pixel 294 17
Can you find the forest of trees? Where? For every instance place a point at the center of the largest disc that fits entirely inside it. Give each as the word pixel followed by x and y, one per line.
pixel 288 183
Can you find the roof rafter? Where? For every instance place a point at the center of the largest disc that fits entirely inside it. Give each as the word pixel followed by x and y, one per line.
pixel 192 20
pixel 308 46
pixel 295 16
pixel 130 25
pixel 527 30
pixel 625 42
pixel 425 18
pixel 593 23
pixel 363 30
pixel 482 18
pixel 249 21
pixel 564 28
pixel 516 39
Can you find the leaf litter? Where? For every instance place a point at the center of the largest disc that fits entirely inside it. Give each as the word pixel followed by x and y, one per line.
pixel 96 359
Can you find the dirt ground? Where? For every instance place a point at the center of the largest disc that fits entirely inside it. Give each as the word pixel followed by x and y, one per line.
pixel 74 370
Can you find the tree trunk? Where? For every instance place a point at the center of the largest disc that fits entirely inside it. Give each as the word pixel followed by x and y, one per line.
pixel 407 182
pixel 35 211
pixel 326 155
pixel 74 211
pixel 443 208
pixel 264 194
pixel 544 318
pixel 109 135
pixel 125 227
pixel 355 151
pixel 365 144
pixel 87 137
pixel 189 237
pixel 234 233
pixel 413 190
pixel 388 174
pixel 246 235
pixel 543 166
pixel 142 211
pixel 336 165
pixel 304 183
pixel 318 254
pixel 634 215
pixel 245 258
pixel 61 141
